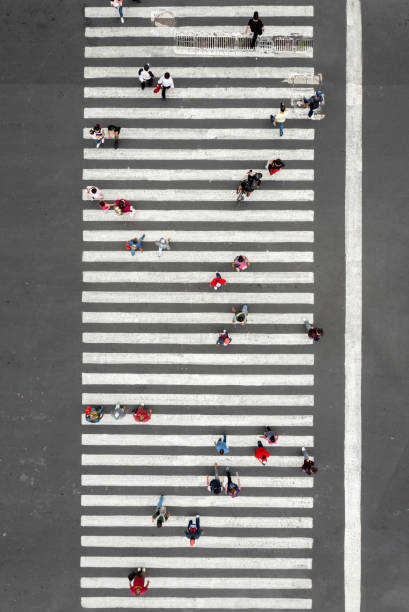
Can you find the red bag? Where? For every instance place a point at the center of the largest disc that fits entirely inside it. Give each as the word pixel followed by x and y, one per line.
pixel 157 89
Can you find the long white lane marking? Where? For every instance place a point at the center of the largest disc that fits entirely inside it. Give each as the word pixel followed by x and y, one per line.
pixel 203 562
pixel 145 12
pixel 208 236
pixel 215 380
pixel 211 420
pixel 140 480
pixel 262 359
pixel 236 461
pixel 182 542
pixel 196 501
pixel 176 440
pixel 193 399
pixel 190 603
pixel 200 134
pixel 188 582
pixel 189 277
pixel 164 32
pixel 181 297
pixel 214 522
pixel 177 174
pixel 223 113
pixel 353 308
pixel 199 154
pixel 201 256
pixel 167 51
pixel 199 93
pixel 202 72
pixel 198 339
pixel 207 195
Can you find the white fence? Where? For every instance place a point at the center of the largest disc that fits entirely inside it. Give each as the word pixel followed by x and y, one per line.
pixel 231 44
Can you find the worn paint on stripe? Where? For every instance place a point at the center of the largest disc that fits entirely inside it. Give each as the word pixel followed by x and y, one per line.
pixel 178 174
pixel 200 11
pixel 204 256
pixel 199 154
pixel 141 480
pixel 167 51
pixel 198 339
pixel 189 582
pixel 176 440
pixel 193 399
pixel 208 236
pixel 120 460
pixel 182 542
pixel 200 134
pixel 212 420
pixel 222 113
pixel 158 297
pixel 203 72
pixel 214 380
pixel 202 562
pixel 213 522
pixel 207 603
pixel 164 32
pixel 186 501
pixel 262 359
pixel 189 277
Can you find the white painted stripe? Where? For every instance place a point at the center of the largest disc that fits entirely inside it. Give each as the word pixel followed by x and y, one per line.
pixel 292 461
pixel 200 93
pixel 189 277
pixel 165 133
pixel 201 256
pixel 205 542
pixel 213 522
pixel 199 154
pixel 353 309
pixel 193 562
pixel 208 195
pixel 215 380
pixel 236 112
pixel 202 11
pixel 202 236
pixel 202 72
pixel 263 359
pixel 141 480
pixel 157 297
pixel 164 32
pixel 177 174
pixel 186 501
pixel 166 51
pixel 212 420
pixel 193 399
pixel 189 582
pixel 207 603
pixel 199 339
pixel 194 441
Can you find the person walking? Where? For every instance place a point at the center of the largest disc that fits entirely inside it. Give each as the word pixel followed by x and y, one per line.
pixel 193 532
pixel 118 5
pixel 135 244
pixel 280 118
pixel 221 446
pixel 269 435
pixel 137 584
pixel 122 206
pixel 94 192
pixel 230 487
pixel 141 415
pixel 240 263
pixel 240 316
pixel 224 338
pixel 217 282
pixel 256 26
pixel 261 453
pixel 94 414
pixel 165 82
pixel 105 206
pixel 313 102
pixel 315 333
pixel 274 165
pixel 98 135
pixel 145 76
pixel 161 514
pixel 163 244
pixel 308 466
pixel 214 486
pixel 115 130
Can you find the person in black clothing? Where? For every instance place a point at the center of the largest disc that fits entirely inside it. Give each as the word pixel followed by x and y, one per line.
pixel 256 26
pixel 308 466
pixel 313 102
pixel 114 129
pixel 274 165
pixel 313 332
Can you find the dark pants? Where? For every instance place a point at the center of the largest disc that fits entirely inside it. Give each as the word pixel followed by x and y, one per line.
pixel 253 42
pixel 164 91
pixel 148 83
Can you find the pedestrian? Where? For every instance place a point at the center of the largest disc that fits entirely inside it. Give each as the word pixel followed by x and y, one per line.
pixel 280 118
pixel 94 414
pixel 230 487
pixel 165 82
pixel 308 466
pixel 94 192
pixel 193 532
pixel 115 130
pixel 221 446
pixel 240 263
pixel 137 581
pixel 98 135
pixel 313 102
pixel 135 244
pixel 241 315
pixel 105 205
pixel 274 165
pixel 214 485
pixel 224 338
pixel 269 435
pixel 161 514
pixel 217 282
pixel 256 26
pixel 261 453
pixel 163 244
pixel 145 76
pixel 119 412
pixel 118 5
pixel 141 415
pixel 123 206
pixel 313 332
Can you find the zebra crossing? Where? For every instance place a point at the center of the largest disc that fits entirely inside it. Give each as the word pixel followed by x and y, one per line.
pixel 213 127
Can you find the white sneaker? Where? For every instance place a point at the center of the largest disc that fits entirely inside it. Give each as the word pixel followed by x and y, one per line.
pixel 215 288
pixel 98 145
pixel 303 449
pixel 266 166
pixel 103 140
pixel 122 20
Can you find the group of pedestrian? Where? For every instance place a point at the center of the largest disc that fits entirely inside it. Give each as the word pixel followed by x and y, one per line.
pixel 93 414
pixel 98 134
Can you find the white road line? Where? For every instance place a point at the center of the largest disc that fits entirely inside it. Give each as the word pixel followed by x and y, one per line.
pixel 263 359
pixel 207 195
pixel 141 480
pixel 201 256
pixel 199 154
pixel 194 441
pixel 164 32
pixel 245 216
pixel 189 277
pixel 207 603
pixel 210 236
pixel 200 93
pixel 166 51
pixel 167 133
pixel 178 174
pixel 193 399
pixel 186 501
pixel 193 562
pixel 189 582
pixel 282 461
pixel 213 522
pixel 202 72
pixel 215 380
pixel 212 420
pixel 353 309
pixel 201 11
pixel 181 297
pixel 249 339
pixel 182 542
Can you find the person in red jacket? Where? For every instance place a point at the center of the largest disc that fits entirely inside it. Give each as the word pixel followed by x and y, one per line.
pixel 141 415
pixel 217 282
pixel 137 581
pixel 261 453
pixel 313 332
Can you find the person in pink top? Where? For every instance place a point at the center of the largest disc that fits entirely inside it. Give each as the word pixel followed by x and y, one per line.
pixel 118 5
pixel 142 415
pixel 123 206
pixel 240 263
pixel 94 192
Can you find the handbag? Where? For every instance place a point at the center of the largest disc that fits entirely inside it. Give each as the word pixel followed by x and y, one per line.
pixel 157 88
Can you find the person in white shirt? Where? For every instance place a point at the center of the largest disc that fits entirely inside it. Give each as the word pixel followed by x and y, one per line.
pixel 166 82
pixel 145 76
pixel 118 4
pixel 95 192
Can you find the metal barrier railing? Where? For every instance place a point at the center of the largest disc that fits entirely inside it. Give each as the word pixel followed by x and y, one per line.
pixel 236 43
pixel 305 80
